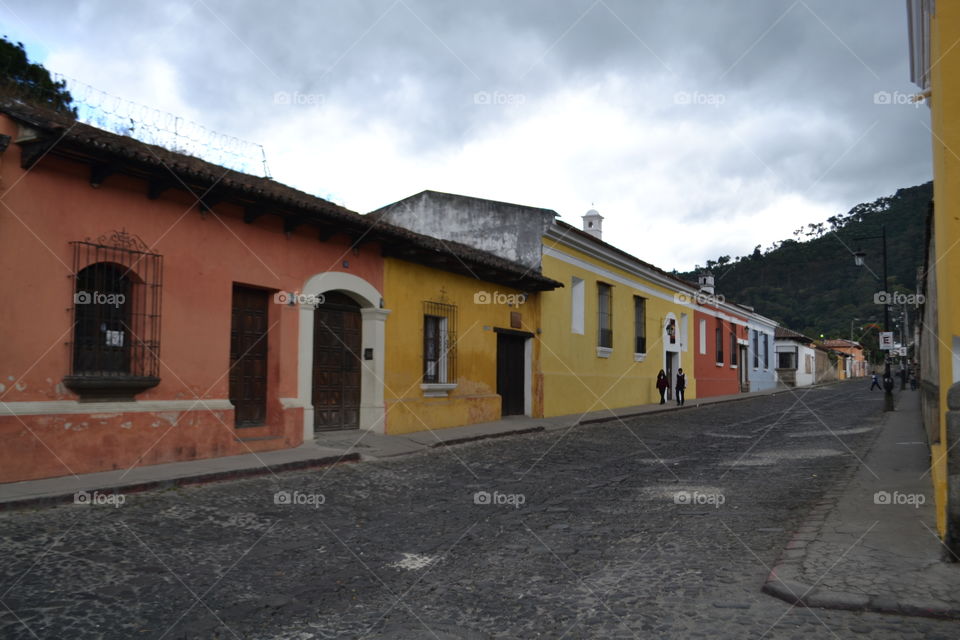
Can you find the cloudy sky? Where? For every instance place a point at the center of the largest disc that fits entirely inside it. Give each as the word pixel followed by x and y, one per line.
pixel 696 127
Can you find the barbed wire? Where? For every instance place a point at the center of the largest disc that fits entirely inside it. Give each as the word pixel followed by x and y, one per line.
pixel 152 126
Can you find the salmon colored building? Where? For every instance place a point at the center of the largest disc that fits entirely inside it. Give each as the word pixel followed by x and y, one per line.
pixel 721 355
pixel 160 308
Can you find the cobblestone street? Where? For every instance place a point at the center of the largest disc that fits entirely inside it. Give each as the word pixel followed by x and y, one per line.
pixel 662 526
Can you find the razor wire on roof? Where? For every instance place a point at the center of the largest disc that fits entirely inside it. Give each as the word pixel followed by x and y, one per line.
pixel 152 126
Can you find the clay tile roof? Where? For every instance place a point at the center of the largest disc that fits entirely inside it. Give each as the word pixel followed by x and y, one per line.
pixel 789 334
pixel 74 139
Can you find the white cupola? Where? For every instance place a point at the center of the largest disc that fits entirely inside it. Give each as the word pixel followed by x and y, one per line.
pixel 593 223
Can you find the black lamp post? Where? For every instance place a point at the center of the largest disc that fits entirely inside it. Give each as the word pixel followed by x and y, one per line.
pixel 858 259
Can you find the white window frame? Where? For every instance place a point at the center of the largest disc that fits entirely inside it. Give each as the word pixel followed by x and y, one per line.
pixel 577 310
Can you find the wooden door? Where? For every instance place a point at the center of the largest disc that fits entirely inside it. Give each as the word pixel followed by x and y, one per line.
pixel 510 373
pixel 248 356
pixel 337 333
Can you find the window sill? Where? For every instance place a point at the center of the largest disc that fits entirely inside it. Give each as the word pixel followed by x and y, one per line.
pixel 639 357
pixel 733 366
pixel 719 364
pixel 604 352
pixel 438 390
pixel 109 388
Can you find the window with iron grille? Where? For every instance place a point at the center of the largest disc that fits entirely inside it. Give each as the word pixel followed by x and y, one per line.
pixel 756 350
pixel 439 343
pixel 115 351
pixel 605 313
pixel 733 344
pixel 719 341
pixel 766 351
pixel 640 324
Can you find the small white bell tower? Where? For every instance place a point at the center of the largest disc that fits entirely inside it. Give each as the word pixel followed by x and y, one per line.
pixel 593 224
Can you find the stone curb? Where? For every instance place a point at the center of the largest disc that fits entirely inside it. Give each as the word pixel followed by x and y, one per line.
pixel 487 436
pixel 782 583
pixel 170 483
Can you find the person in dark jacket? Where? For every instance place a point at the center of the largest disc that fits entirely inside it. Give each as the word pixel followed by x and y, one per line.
pixel 662 385
pixel 680 387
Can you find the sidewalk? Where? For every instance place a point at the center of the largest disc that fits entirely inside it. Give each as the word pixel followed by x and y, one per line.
pixel 869 545
pixel 326 449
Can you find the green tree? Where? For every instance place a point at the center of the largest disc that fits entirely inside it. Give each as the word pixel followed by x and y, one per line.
pixel 31 82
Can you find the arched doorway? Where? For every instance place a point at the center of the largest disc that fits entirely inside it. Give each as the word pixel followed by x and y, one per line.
pixel 359 297
pixel 337 363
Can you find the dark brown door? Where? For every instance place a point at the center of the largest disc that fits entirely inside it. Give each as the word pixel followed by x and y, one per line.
pixel 336 364
pixel 248 356
pixel 510 370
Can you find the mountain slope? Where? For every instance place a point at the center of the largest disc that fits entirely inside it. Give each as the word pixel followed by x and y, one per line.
pixel 811 283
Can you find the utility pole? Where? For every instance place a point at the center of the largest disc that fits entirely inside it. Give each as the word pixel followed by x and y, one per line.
pixel 858 258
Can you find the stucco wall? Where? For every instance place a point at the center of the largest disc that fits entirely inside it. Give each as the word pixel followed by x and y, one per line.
pixel 576 379
pixel 481 307
pixel 204 255
pixel 510 231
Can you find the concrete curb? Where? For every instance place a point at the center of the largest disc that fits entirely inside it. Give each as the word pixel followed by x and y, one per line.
pixel 200 478
pixel 782 580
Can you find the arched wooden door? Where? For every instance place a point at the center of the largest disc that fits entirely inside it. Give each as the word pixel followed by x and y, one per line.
pixel 336 363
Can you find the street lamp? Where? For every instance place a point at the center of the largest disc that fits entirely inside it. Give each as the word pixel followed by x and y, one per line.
pixel 858 257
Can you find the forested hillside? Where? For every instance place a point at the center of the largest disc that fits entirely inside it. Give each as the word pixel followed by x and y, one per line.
pixel 810 283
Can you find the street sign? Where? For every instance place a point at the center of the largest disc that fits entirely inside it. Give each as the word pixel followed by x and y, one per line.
pixel 886 340
pixel 902 351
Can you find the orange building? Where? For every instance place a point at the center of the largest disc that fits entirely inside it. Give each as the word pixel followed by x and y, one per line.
pixel 160 308
pixel 721 359
pixel 856 364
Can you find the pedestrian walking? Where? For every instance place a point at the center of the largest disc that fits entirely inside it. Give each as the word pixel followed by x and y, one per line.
pixel 680 387
pixel 662 384
pixel 874 382
pixel 913 382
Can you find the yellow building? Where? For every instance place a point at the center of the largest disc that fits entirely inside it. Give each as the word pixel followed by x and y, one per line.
pixel 604 326
pixel 461 343
pixel 935 67
pixel 616 323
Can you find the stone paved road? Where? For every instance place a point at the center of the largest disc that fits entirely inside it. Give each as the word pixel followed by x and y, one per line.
pixel 660 527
